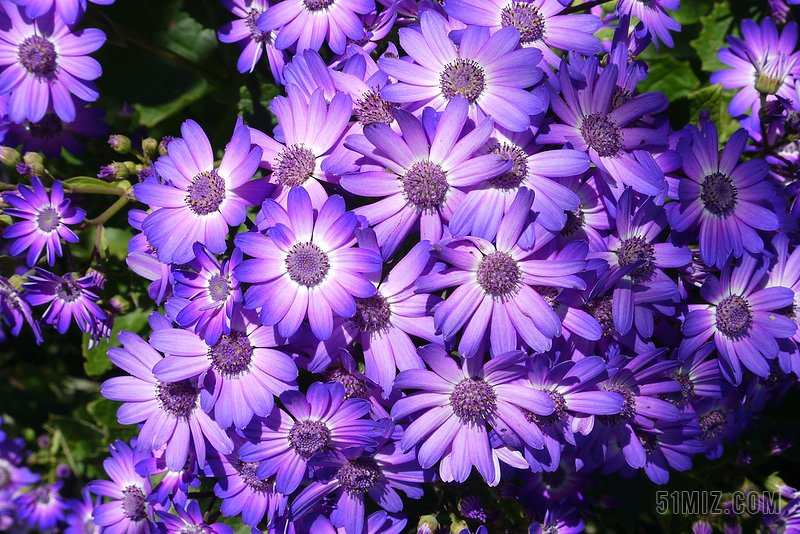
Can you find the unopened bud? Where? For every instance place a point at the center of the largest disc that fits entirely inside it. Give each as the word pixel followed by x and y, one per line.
pixel 63 471
pixel 458 525
pixel 120 143
pixel 427 525
pixel 98 274
pixel 149 145
pixel 9 157
pixel 29 171
pixel 163 146
pixel 115 171
pixel 32 158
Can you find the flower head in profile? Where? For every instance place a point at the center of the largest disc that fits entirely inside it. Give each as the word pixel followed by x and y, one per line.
pixel 251 40
pixel 16 311
pixel 69 298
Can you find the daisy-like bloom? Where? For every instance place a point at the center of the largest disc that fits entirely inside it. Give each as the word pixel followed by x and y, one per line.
pixel 496 293
pixel 591 125
pixel 174 485
pixel 46 219
pixel 720 419
pixel 591 221
pixel 129 509
pixel 307 266
pixel 42 507
pixel 212 292
pixel 383 322
pixel 654 16
pixel 80 520
pixel 489 71
pixel 456 403
pixel 741 317
pixel 251 40
pixel 378 523
pixel 764 62
pixel 169 410
pixel 189 520
pixel 561 519
pixel 12 475
pixel 16 311
pixel 69 298
pixel 428 172
pixel 725 199
pixel 323 419
pixel 198 202
pixel 70 11
pixel 698 376
pixel 44 63
pixel 537 21
pixel 311 129
pixel 240 373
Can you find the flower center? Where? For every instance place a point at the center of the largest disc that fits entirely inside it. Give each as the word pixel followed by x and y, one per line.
pixel 48 219
pixel 734 316
pixel 526 18
pixel 473 399
pixel 554 481
pixel 5 473
pixel 89 527
pixel 318 5
pixel 649 442
pixel 38 55
pixel 519 171
pixel 425 185
pixel 575 221
pixel 218 288
pixel 601 134
pixel 192 529
pixel 11 299
pixel 247 472
pixel 712 424
pixel 372 313
pixel 621 96
pixel 498 274
pixel 634 250
pixel 251 21
pixel 68 291
pixel 628 405
pixel 359 476
pixel 462 77
pixel 354 387
pixel 679 397
pixel 307 264
pixel 231 355
pixel 549 294
pixel 772 73
pixel 49 127
pixel 295 165
pixel 133 503
pixel 601 309
pixel 176 398
pixel 372 108
pixel 307 438
pixel 206 192
pixel 719 194
pixel 544 421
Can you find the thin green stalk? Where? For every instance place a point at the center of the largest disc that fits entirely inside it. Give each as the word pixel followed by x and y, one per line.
pixel 106 215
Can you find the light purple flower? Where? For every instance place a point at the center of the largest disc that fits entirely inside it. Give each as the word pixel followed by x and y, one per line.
pixel 16 311
pixel 42 507
pixel 70 11
pixel 253 41
pixel 69 298
pixel 79 520
pixel 653 15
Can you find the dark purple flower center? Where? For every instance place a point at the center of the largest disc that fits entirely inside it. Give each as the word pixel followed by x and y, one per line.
pixel 634 250
pixel 649 441
pixel 359 476
pixel 734 316
pixel 318 5
pixel 133 503
pixel 307 438
pixel 5 473
pixel 294 165
pixel 354 387
pixel 218 288
pixel 499 274
pixel 554 481
pixel 686 392
pixel 177 398
pixel 247 472
pixel 372 313
pixel 48 128
pixel 206 192
pixel 719 194
pixel 575 221
pixel 38 55
pixel 519 171
pixel 251 21
pixel 473 399
pixel 621 96
pixel 307 264
pixel 372 108
pixel 544 421
pixel 68 291
pixel 601 309
pixel 601 134
pixel 462 77
pixel 48 219
pixel 549 294
pixel 9 297
pixel 526 18
pixel 628 405
pixel 231 355
pixel 712 424
pixel 425 184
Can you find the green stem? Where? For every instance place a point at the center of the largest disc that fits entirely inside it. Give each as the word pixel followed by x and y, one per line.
pixel 106 215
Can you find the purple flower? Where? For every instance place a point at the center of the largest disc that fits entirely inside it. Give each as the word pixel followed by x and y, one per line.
pixel 239 374
pixel 46 219
pixel 44 63
pixel 189 519
pixel 253 41
pixel 310 22
pixel 69 298
pixel 741 318
pixel 306 266
pixel 12 476
pixel 489 71
pixel 16 311
pixel 698 376
pixel 169 410
pixel 80 521
pixel 174 485
pixel 785 272
pixel 42 507
pixel 561 519
pixel 197 201
pixel 654 16
pixel 324 419
pixel 70 11
pixel 378 523
pixel 722 197
pixel 428 171
pixel 718 419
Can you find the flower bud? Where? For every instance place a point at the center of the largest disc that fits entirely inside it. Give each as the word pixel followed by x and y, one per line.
pixel 149 145
pixel 163 146
pixel 457 525
pixel 63 471
pixel 120 143
pixel 427 525
pixel 9 157
pixel 115 171
pixel 28 171
pixel 32 158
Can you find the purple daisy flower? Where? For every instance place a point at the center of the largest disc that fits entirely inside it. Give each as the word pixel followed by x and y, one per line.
pixel 307 266
pixel 653 15
pixel 16 311
pixel 428 171
pixel 699 377
pixel 46 219
pixel 128 511
pixel 43 507
pixel 174 485
pixel 169 410
pixel 143 261
pixel 497 288
pixel 489 71
pixel 741 318
pixel 80 520
pixel 378 523
pixel 251 40
pixel 309 23
pixel 561 519
pixel 323 419
pixel 591 125
pixel 12 475
pixel 70 11
pixel 239 374
pixel 722 197
pixel 457 403
pixel 197 201
pixel 44 63
pixel 69 298
pixel 189 519
pixel 785 272
pixel 537 21
pixel 720 419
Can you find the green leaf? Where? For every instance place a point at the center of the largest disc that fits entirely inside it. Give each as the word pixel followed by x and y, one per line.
pixel 87 182
pixel 150 116
pixel 691 12
pixel 671 77
pixel 117 240
pixel 97 362
pixel 716 26
pixel 707 98
pixel 188 38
